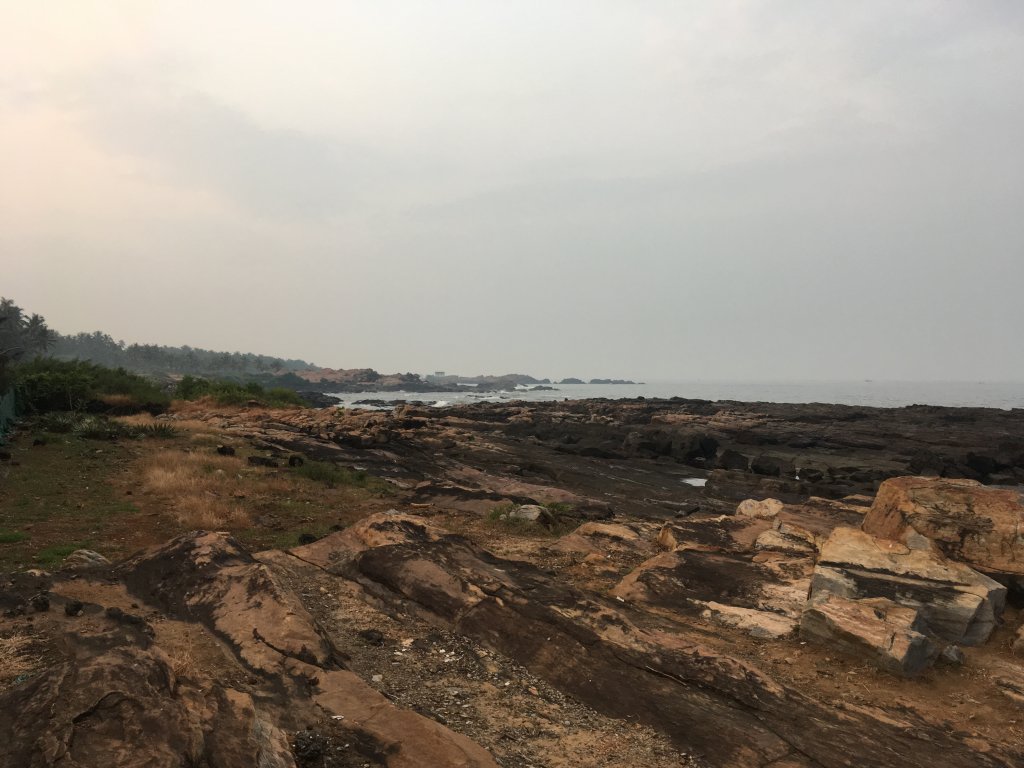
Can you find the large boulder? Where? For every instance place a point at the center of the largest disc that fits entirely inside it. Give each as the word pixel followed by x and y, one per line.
pixel 981 526
pixel 957 603
pixel 886 633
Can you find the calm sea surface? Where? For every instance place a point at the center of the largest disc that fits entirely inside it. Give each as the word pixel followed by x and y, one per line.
pixel 874 393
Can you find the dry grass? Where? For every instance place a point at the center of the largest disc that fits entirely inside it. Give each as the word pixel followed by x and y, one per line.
pixel 16 658
pixel 203 489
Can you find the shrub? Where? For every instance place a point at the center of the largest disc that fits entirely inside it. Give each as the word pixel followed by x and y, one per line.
pixel 233 393
pixel 45 384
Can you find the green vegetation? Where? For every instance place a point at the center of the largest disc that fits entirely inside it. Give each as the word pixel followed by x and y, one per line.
pixel 12 537
pixel 53 555
pixel 231 393
pixel 45 384
pixel 334 476
pixel 95 427
pixel 22 337
pixel 561 520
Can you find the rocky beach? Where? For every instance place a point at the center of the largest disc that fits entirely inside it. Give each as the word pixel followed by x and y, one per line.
pixel 580 583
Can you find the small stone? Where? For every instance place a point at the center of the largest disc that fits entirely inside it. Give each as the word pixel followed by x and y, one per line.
pixel 952 654
pixel 40 603
pixel 377 678
pixel 372 636
pixel 73 608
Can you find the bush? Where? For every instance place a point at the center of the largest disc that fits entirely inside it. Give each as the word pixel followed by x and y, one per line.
pixel 46 384
pixel 97 427
pixel 233 393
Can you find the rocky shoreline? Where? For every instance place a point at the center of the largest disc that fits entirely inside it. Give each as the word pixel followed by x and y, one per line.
pixel 846 589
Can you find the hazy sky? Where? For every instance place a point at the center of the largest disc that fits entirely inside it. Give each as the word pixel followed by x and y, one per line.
pixel 658 190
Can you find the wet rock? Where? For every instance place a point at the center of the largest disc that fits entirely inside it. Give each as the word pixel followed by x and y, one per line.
pixel 887 634
pixel 981 526
pixel 957 604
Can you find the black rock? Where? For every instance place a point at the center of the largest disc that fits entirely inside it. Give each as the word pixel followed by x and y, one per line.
pixel 40 603
pixel 731 459
pixel 295 461
pixel 307 538
pixel 309 747
pixel 372 636
pixel 225 450
pixel 73 607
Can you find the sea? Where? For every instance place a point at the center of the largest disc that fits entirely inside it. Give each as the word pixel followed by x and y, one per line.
pixel 882 394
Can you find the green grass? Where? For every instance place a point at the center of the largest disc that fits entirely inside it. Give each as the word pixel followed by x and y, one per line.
pixel 55 554
pixel 334 476
pixel 63 491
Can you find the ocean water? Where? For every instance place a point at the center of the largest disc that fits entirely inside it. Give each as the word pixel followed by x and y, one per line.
pixel 884 394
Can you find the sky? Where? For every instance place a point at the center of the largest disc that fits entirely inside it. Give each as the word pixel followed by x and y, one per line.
pixel 727 189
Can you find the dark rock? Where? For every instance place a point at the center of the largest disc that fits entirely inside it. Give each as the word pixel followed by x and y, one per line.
pixel 225 450
pixel 40 603
pixel 309 748
pixel 730 459
pixel 773 466
pixel 73 607
pixel 372 636
pixel 307 538
pixel 295 461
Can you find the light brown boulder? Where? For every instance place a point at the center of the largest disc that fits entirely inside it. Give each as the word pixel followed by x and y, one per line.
pixel 887 634
pixel 981 526
pixel 83 559
pixel 765 509
pixel 958 604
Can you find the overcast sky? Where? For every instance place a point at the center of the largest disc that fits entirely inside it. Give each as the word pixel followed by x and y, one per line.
pixel 657 190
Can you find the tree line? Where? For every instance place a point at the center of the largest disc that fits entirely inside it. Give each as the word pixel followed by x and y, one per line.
pixel 26 336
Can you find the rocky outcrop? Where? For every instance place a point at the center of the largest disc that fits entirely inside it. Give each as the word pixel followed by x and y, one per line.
pixel 124 706
pixel 729 711
pixel 956 603
pixel 981 526
pixel 209 576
